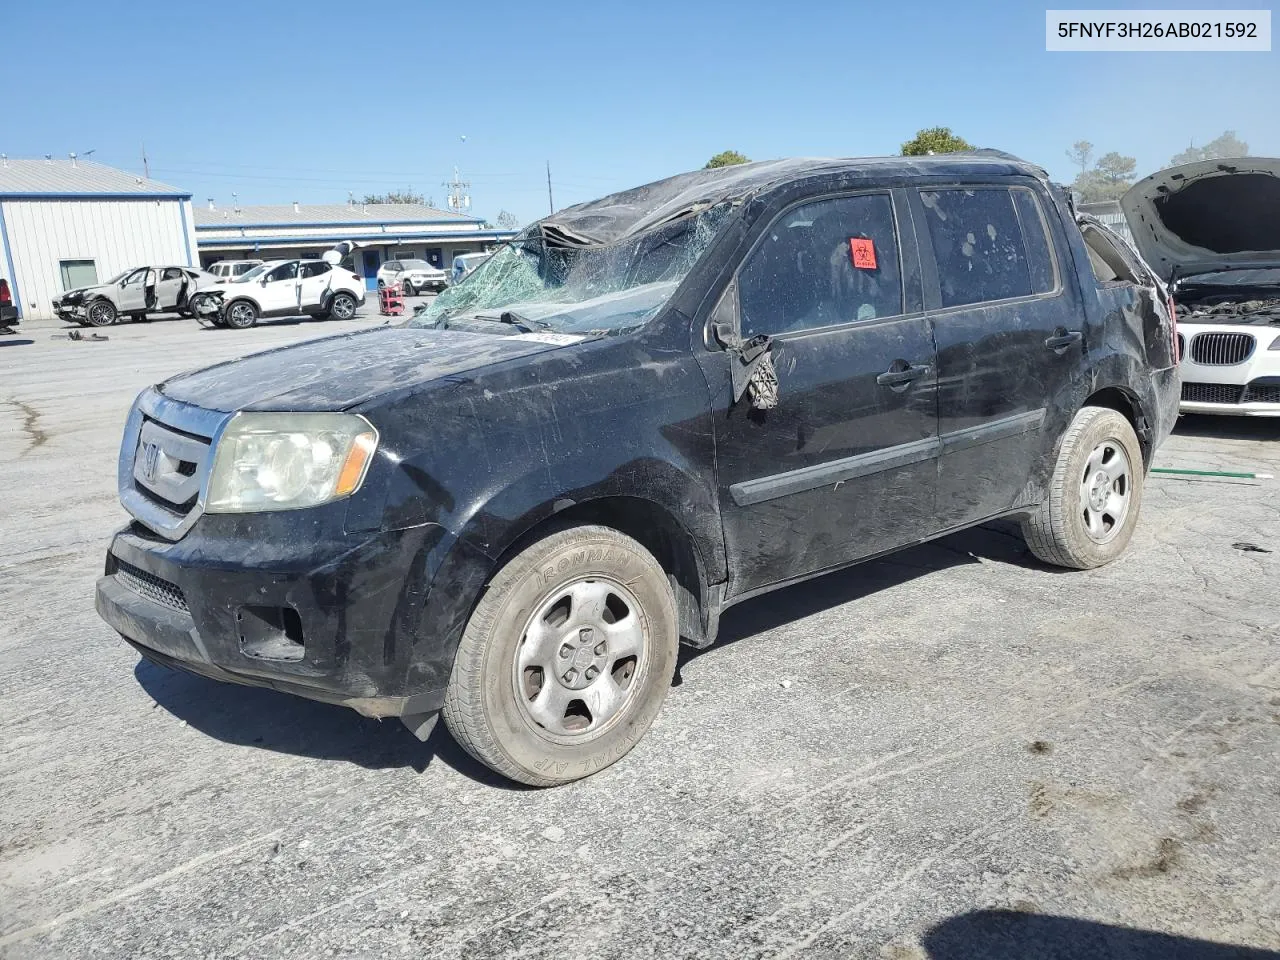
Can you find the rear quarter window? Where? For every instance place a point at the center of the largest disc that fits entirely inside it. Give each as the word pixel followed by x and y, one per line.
pixel 990 243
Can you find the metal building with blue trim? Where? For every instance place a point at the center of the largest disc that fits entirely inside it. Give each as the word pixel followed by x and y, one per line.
pixel 69 223
pixel 381 231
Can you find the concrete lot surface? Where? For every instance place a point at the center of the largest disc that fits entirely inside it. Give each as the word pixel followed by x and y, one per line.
pixel 952 753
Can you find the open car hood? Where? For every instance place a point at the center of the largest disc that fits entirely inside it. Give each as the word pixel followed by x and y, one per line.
pixel 1208 215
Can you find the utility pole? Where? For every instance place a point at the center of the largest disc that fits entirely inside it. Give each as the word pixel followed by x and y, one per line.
pixel 146 167
pixel 458 199
pixel 550 203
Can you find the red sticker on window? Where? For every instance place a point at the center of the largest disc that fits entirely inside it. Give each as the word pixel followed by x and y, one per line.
pixel 863 252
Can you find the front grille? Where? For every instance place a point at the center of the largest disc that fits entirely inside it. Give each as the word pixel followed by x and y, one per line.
pixel 148 585
pixel 1212 392
pixel 1262 393
pixel 166 465
pixel 1221 349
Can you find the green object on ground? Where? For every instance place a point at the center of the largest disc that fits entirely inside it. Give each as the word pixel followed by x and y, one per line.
pixel 1213 473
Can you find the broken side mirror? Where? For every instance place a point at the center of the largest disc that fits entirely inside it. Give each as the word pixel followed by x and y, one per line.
pixel 751 368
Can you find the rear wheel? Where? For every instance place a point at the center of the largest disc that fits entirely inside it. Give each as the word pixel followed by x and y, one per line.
pixel 342 306
pixel 566 659
pixel 1094 495
pixel 100 313
pixel 240 315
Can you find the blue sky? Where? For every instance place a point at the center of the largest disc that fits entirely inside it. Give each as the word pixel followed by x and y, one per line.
pixel 287 101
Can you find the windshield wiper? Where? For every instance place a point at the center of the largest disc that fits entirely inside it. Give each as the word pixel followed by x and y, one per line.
pixel 522 323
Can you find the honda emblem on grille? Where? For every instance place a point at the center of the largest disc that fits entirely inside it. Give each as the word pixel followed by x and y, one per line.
pixel 150 461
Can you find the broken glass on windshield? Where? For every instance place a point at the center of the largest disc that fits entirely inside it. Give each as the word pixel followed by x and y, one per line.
pixel 580 288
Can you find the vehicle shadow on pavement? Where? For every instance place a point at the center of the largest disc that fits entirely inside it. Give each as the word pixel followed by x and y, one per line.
pixel 1014 935
pixel 16 343
pixel 283 723
pixel 997 542
pixel 1228 428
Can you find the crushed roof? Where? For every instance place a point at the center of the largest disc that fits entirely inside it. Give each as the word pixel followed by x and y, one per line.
pixel 64 177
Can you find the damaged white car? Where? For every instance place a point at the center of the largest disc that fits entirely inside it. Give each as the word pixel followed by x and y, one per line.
pixel 1211 230
pixel 135 293
pixel 282 288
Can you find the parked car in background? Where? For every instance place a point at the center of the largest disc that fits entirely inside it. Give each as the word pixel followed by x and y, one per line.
pixel 281 288
pixel 636 414
pixel 230 269
pixel 1211 230
pixel 413 275
pixel 136 294
pixel 9 314
pixel 464 264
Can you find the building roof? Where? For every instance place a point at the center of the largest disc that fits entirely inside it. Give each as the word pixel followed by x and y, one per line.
pixel 67 178
pixel 326 214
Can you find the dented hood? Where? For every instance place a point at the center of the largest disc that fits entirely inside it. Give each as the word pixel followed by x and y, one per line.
pixel 1205 216
pixel 340 372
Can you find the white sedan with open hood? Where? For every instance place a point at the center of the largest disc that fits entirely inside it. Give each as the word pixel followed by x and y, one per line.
pixel 1211 230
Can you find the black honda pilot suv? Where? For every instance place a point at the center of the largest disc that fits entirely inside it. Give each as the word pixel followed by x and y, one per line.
pixel 512 508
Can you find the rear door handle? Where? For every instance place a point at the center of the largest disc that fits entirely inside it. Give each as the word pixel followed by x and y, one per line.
pixel 1063 338
pixel 897 376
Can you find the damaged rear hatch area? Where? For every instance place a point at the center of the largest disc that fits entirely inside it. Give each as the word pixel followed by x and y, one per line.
pixel 1211 230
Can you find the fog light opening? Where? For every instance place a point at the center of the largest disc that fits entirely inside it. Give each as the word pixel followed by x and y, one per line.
pixel 270 633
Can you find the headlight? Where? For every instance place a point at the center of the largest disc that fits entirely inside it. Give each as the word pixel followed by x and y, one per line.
pixel 286 461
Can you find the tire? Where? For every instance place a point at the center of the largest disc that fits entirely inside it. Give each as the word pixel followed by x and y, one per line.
pixel 408 289
pixel 100 313
pixel 342 306
pixel 381 285
pixel 240 314
pixel 1095 494
pixel 494 704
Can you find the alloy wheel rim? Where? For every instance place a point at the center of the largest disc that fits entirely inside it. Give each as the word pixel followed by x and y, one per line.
pixel 241 314
pixel 1106 487
pixel 581 655
pixel 98 313
pixel 342 308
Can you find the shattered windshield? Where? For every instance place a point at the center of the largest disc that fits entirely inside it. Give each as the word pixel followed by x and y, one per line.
pixel 571 288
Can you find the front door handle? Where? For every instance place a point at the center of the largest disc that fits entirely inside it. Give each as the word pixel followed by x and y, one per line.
pixel 1063 338
pixel 901 374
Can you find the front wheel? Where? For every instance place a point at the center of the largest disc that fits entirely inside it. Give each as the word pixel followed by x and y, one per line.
pixel 241 315
pixel 566 659
pixel 1094 495
pixel 408 289
pixel 342 306
pixel 101 313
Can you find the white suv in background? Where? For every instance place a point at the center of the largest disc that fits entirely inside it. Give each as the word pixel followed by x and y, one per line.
pixel 230 269
pixel 281 288
pixel 414 275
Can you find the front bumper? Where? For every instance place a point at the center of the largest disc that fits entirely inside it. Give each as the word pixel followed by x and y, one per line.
pixel 335 618
pixel 69 311
pixel 1249 388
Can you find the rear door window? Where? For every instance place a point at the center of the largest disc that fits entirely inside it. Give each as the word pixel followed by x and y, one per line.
pixel 824 263
pixel 982 250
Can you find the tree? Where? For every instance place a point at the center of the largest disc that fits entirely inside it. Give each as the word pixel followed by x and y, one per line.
pixel 935 140
pixel 507 221
pixel 1227 145
pixel 397 196
pixel 1080 153
pixel 726 158
pixel 1110 177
